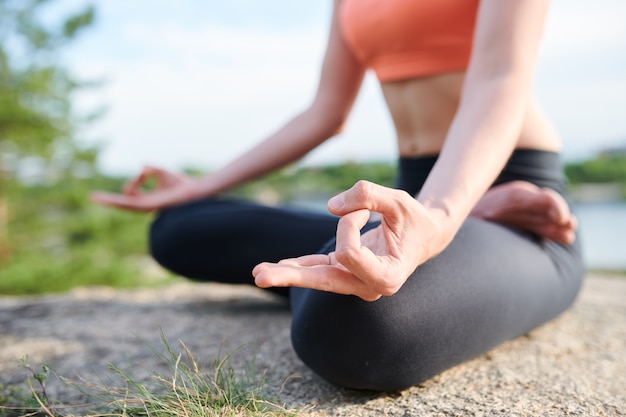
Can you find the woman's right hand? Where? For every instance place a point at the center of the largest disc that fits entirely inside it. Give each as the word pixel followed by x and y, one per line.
pixel 170 189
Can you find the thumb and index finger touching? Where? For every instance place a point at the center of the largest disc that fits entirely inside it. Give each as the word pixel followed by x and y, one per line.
pixel 369 196
pixel 131 197
pixel 133 187
pixel 354 205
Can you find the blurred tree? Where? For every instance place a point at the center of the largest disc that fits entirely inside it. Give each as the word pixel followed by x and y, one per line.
pixel 37 125
pixel 604 168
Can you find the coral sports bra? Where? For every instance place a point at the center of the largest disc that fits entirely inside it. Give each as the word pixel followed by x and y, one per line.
pixel 402 39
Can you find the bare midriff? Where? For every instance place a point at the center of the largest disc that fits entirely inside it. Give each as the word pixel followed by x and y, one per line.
pixel 423 108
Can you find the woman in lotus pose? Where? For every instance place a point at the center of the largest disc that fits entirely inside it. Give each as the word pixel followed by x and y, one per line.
pixel 474 246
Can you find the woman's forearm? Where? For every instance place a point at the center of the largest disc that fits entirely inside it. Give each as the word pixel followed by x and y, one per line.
pixel 294 140
pixel 494 100
pixel 480 141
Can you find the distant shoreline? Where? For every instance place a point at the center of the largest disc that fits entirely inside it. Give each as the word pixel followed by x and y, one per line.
pixel 612 192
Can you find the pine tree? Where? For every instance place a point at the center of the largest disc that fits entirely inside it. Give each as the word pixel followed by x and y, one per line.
pixel 36 116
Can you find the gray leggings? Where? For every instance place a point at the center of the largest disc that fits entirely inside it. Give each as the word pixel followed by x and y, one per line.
pixel 491 284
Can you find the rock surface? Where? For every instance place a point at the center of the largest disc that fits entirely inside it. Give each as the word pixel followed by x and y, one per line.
pixel 575 365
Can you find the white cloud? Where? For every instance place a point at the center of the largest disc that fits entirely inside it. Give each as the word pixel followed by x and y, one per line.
pixel 581 78
pixel 202 95
pixel 581 27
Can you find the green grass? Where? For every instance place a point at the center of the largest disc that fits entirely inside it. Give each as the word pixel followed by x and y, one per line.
pixel 59 240
pixel 185 390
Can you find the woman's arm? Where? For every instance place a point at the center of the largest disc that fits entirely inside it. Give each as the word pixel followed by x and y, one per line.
pixel 487 125
pixel 340 81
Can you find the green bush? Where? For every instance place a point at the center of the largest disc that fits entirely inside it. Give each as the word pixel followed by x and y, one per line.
pixel 603 169
pixel 60 240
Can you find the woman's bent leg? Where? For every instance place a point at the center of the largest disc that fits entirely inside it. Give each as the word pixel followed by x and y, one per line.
pixel 222 239
pixel 490 285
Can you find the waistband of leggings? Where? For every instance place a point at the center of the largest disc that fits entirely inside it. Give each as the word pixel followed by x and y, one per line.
pixel 542 168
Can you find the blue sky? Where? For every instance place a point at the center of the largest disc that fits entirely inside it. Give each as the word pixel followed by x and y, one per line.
pixel 193 83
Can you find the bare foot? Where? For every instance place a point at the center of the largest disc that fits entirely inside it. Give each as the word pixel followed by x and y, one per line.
pixel 519 204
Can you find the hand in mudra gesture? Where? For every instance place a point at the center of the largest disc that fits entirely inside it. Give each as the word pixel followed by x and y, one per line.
pixel 371 265
pixel 170 189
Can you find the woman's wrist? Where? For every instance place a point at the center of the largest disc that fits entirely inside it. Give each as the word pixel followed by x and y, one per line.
pixel 206 186
pixel 445 221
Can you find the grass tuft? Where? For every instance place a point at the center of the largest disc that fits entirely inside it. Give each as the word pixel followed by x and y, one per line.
pixel 186 390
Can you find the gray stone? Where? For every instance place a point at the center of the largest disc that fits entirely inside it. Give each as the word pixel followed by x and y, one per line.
pixel 575 365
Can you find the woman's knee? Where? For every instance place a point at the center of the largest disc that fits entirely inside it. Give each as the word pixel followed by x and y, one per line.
pixel 175 236
pixel 163 242
pixel 354 344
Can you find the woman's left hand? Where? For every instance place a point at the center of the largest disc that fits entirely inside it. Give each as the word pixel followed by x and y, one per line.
pixel 371 265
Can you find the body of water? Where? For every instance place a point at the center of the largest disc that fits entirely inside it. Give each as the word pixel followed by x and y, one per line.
pixel 603 234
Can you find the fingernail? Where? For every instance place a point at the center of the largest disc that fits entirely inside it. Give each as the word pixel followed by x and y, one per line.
pixel 336 202
pixel 553 214
pixel 257 269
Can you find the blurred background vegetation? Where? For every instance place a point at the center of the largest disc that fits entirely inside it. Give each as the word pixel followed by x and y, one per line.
pixel 51 237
